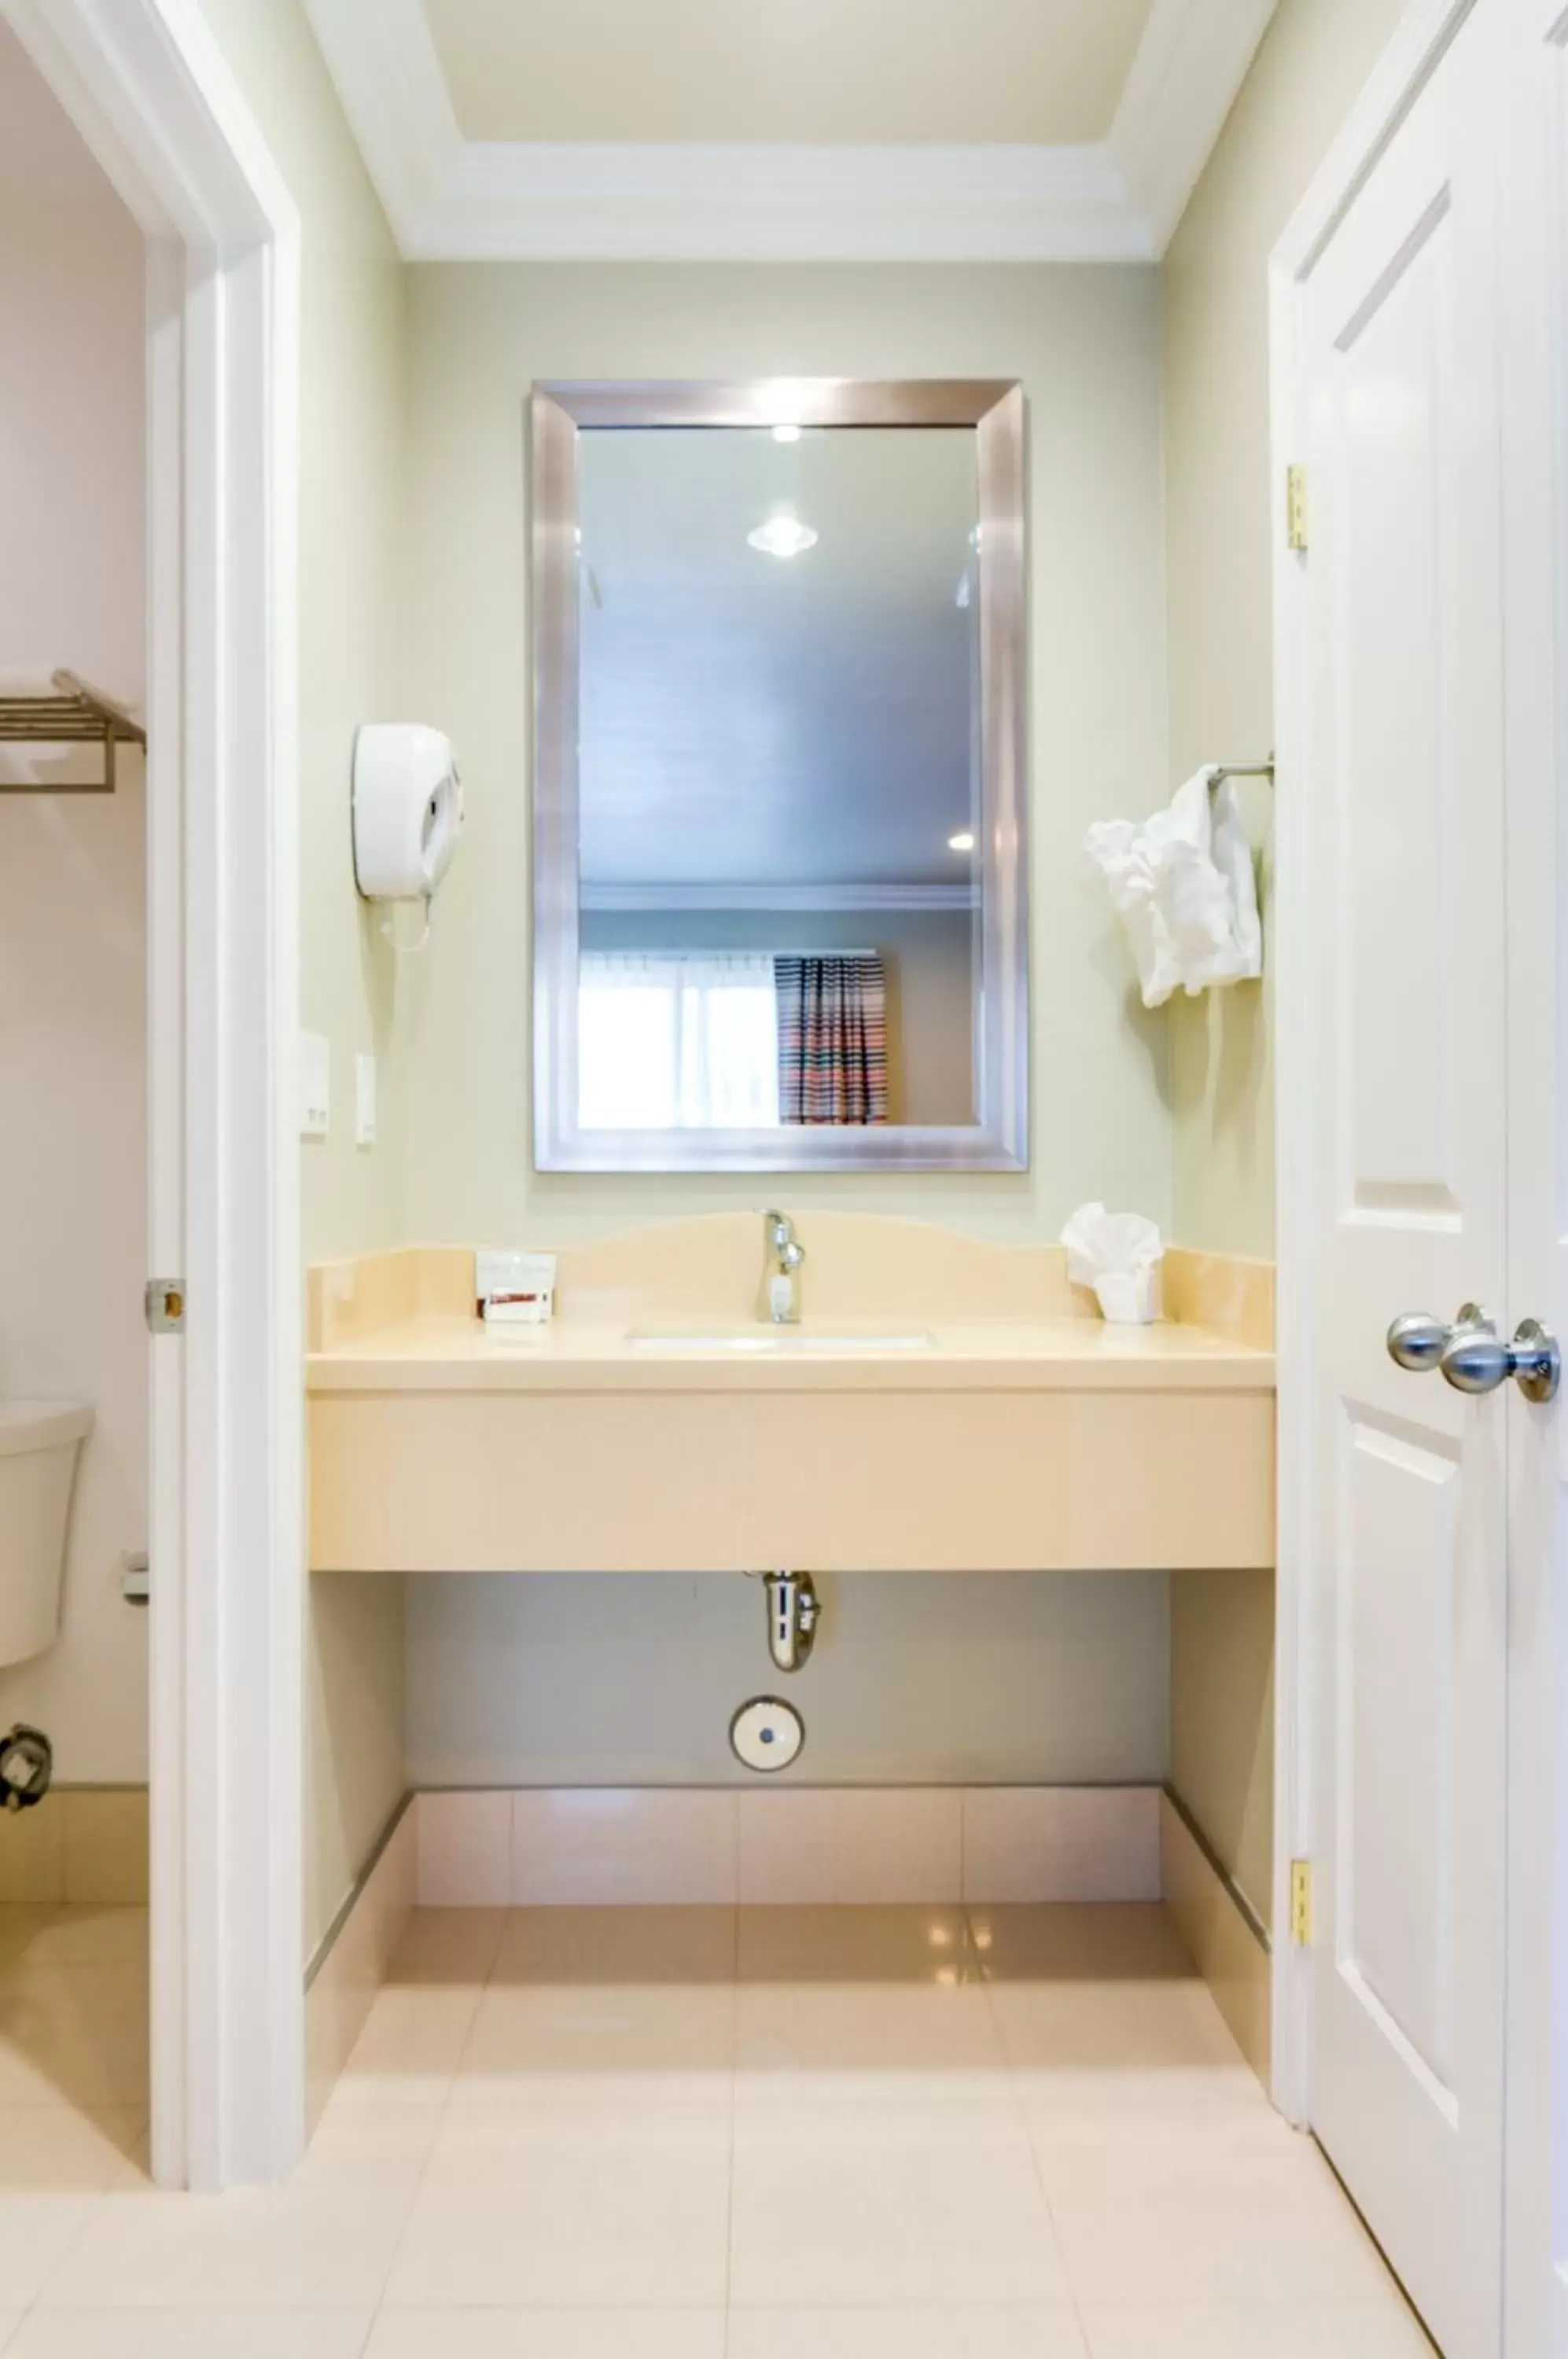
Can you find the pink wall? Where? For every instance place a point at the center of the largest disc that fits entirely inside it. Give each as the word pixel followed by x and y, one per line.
pixel 72 925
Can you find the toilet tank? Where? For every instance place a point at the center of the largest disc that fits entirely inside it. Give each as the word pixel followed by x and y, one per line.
pixel 40 1443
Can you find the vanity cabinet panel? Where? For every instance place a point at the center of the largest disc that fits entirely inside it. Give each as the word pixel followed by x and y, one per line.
pixel 489 1481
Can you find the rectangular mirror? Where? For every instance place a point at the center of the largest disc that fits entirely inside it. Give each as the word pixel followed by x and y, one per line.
pixel 779 894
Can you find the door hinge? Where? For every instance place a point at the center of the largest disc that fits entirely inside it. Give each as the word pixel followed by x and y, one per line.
pixel 164 1301
pixel 1295 508
pixel 1302 1903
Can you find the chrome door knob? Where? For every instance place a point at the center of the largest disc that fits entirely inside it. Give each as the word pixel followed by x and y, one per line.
pixel 1418 1340
pixel 1479 1362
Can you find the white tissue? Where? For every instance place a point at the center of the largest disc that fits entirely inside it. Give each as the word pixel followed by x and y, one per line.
pixel 1182 885
pixel 1118 1254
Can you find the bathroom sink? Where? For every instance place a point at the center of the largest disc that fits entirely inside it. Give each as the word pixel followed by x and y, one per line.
pixel 788 1342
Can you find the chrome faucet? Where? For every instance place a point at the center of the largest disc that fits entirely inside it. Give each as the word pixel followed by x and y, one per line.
pixel 782 1254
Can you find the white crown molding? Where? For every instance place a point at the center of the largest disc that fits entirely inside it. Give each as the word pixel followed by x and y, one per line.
pixel 819 897
pixel 388 75
pixel 1191 62
pixel 452 200
pixel 781 204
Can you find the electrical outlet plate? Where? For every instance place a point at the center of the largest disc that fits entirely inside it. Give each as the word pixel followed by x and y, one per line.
pixel 363 1099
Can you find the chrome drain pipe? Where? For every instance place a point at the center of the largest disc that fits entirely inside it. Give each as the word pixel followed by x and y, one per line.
pixel 794 1610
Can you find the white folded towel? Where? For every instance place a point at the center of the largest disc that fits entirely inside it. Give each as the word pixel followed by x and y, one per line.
pixel 1183 885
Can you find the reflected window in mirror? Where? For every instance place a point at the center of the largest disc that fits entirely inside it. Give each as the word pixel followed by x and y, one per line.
pixel 779 884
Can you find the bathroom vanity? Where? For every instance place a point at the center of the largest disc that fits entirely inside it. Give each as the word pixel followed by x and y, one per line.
pixel 656 1425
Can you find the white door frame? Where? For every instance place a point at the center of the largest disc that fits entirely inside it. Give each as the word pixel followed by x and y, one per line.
pixel 1534 295
pixel 147 87
pixel 1536 201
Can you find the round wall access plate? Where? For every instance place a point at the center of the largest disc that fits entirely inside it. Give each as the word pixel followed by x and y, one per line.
pixel 766 1733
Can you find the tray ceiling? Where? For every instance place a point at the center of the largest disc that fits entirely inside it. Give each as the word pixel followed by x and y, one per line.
pixel 687 130
pixel 1047 71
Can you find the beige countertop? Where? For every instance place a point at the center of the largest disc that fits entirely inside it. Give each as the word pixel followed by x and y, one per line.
pixel 457 1354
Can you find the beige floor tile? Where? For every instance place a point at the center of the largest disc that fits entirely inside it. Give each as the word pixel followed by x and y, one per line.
pixel 32 1855
pixel 411 2043
pixel 73 2034
pixel 1036 2332
pixel 105 1853
pixel 691 1945
pixel 56 2166
pixel 1238 2209
pixel 1100 1941
pixel 449 1945
pixel 1382 2329
pixel 575 2205
pixel 670 2043
pixel 867 2043
pixel 90 1937
pixel 368 2143
pixel 35 2230
pixel 10 2320
pixel 892 1945
pixel 18 1925
pixel 549 2334
pixel 296 2248
pixel 1065 2029
pixel 175 2334
pixel 893 2203
pixel 55 2149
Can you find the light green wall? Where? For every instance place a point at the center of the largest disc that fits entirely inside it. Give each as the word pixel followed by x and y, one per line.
pixel 353 422
pixel 353 427
pixel 1085 343
pixel 1222 508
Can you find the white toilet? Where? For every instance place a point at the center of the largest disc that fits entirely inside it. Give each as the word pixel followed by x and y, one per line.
pixel 38 1445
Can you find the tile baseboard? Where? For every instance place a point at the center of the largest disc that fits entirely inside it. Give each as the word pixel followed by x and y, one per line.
pixel 1226 1948
pixel 81 1846
pixel 353 1960
pixel 620 1847
pixel 627 1846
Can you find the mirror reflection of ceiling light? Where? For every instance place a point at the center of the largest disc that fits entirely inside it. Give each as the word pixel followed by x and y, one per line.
pixel 782 536
pixel 962 841
pixel 786 434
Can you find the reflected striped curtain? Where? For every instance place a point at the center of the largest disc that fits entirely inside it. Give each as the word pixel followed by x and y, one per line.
pixel 832 1039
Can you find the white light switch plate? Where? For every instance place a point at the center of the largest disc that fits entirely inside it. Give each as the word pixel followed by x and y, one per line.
pixel 315 1084
pixel 364 1101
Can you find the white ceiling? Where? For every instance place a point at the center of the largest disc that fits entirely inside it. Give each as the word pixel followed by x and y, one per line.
pixel 1050 71
pixel 906 130
pixel 753 720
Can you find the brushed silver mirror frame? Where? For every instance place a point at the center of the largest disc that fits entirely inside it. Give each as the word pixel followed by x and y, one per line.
pixel 998 1140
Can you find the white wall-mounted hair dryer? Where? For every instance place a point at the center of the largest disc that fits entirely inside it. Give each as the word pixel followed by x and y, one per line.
pixel 407 810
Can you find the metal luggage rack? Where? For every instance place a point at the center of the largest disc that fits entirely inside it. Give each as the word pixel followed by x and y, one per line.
pixel 74 715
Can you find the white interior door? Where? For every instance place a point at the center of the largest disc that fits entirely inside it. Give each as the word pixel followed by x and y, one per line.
pixel 1403 739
